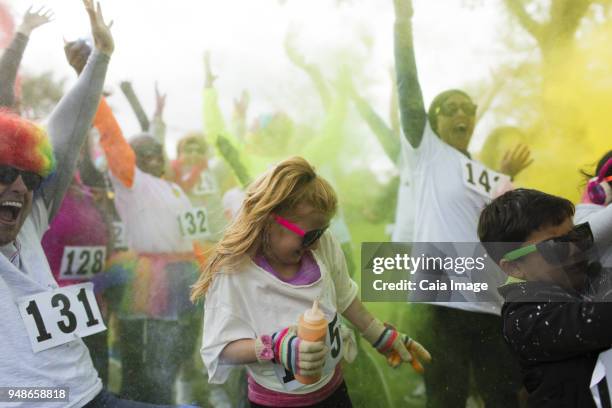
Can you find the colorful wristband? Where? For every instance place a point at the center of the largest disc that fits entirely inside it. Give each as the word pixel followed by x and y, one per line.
pixel 263 349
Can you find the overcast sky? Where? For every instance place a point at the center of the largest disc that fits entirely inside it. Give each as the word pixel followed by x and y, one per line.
pixel 165 41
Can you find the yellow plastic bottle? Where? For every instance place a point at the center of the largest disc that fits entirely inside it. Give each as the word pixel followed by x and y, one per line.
pixel 312 326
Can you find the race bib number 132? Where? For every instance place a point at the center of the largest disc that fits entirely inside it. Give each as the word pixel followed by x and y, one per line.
pixel 57 317
pixel 194 223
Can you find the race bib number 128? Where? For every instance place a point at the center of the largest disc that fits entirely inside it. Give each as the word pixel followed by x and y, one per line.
pixel 82 263
pixel 57 317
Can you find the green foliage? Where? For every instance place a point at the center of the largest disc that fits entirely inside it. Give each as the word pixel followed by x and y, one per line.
pixel 40 93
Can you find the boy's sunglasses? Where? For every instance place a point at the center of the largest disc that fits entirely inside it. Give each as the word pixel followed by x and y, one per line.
pixel 451 109
pixel 9 174
pixel 308 237
pixel 557 250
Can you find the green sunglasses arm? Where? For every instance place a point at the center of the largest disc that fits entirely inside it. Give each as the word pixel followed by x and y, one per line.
pixel 519 252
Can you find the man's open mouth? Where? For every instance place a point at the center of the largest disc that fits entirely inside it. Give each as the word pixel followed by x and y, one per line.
pixel 9 211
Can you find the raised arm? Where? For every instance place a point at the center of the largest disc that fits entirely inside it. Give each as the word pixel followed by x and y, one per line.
pixel 310 69
pixel 394 118
pixel 214 124
pixel 241 107
pixel 128 91
pixel 158 126
pixel 231 155
pixel 11 58
pixel 71 119
pixel 387 139
pixel 412 108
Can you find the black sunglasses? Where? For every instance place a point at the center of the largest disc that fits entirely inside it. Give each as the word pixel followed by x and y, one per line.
pixel 451 109
pixel 9 174
pixel 557 250
pixel 308 237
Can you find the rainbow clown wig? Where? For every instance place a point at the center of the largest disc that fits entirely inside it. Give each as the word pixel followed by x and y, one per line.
pixel 25 145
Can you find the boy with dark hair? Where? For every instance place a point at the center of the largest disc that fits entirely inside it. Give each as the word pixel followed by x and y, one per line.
pixel 550 321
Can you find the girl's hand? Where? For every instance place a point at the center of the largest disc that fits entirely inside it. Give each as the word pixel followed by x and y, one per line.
pixel 298 356
pixel 396 346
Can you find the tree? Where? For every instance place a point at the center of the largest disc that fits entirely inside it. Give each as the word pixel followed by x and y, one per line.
pixel 39 94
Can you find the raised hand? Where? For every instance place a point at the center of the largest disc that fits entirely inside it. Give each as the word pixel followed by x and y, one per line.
pixel 160 101
pixel 103 39
pixel 516 160
pixel 403 8
pixel 242 105
pixel 210 77
pixel 34 19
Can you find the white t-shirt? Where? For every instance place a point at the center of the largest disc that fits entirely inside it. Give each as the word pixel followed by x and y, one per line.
pixel 68 365
pixel 446 207
pixel 599 218
pixel 207 193
pixel 403 229
pixel 150 210
pixel 252 302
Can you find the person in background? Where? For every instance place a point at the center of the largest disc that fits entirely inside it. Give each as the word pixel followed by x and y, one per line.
pixel 154 310
pixel 36 171
pixel 450 189
pixel 11 58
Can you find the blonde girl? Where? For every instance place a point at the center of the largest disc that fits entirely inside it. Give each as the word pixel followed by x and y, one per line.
pixel 272 263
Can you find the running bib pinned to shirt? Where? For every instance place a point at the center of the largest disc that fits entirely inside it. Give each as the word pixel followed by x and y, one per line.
pixel 57 317
pixel 481 179
pixel 194 223
pixel 206 185
pixel 333 340
pixel 82 262
pixel 119 236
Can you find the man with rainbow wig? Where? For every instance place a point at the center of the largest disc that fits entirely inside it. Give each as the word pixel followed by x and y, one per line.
pixel 42 366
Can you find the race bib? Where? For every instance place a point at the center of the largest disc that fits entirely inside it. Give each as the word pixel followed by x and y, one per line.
pixel 82 262
pixel 119 237
pixel 194 223
pixel 57 317
pixel 206 185
pixel 480 178
pixel 333 340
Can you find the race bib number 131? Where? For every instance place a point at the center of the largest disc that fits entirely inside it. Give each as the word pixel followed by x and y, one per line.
pixel 57 317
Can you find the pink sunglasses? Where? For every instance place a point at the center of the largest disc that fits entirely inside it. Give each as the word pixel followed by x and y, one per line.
pixel 308 237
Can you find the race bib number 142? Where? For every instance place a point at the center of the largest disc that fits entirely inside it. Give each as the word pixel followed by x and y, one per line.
pixel 57 317
pixel 481 179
